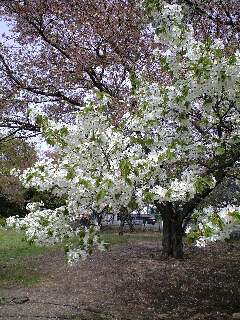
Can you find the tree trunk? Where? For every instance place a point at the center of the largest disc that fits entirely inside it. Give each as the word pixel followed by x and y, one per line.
pixel 125 218
pixel 130 224
pixel 172 234
pixel 121 227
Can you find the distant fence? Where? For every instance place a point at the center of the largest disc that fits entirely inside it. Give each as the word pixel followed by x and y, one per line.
pixel 138 227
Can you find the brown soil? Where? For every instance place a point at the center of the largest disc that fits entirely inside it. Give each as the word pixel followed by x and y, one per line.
pixel 131 282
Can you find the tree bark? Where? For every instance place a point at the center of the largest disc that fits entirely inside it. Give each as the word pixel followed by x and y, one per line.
pixel 172 241
pixel 172 238
pixel 121 227
pixel 125 217
pixel 130 223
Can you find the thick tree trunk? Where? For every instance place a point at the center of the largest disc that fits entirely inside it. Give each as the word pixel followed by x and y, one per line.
pixel 172 234
pixel 172 238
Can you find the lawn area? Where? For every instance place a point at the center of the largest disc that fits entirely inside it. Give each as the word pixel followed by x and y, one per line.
pixel 17 268
pixel 14 268
pixel 114 239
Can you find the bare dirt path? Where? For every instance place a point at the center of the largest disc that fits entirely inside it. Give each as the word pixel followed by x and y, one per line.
pixel 131 282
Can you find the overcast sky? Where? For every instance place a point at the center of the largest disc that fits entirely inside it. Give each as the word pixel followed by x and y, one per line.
pixel 3 27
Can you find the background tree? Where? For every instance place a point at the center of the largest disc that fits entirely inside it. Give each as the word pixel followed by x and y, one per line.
pixel 58 52
pixel 18 154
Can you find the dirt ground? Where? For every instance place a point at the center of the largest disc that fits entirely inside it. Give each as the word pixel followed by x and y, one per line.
pixel 131 282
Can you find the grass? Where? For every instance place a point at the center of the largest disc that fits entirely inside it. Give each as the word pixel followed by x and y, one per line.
pixel 14 267
pixel 12 246
pixel 17 268
pixel 114 239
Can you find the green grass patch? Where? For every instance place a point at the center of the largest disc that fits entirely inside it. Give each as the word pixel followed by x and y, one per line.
pixel 12 246
pixel 18 273
pixel 15 268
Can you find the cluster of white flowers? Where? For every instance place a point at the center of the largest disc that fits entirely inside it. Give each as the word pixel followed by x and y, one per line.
pixel 43 226
pixel 48 227
pixel 179 189
pixel 212 224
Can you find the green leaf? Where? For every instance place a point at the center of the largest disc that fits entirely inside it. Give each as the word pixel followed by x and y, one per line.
pixel 98 181
pixel 215 219
pixel 135 82
pixel 202 183
pixel 125 167
pixel 63 131
pixel 235 215
pixel 149 196
pixel 193 236
pixel 71 173
pixel 170 155
pixel 85 183
pixel 232 60
pixel 30 176
pixel 39 119
pixel 44 222
pixel 101 194
pixel 168 193
pixel 132 204
pixel 207 231
pixel 220 150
